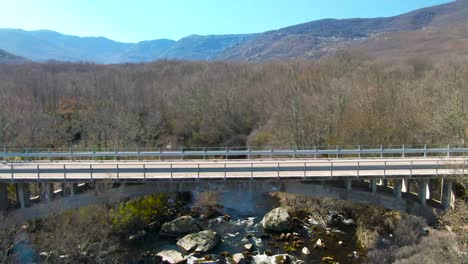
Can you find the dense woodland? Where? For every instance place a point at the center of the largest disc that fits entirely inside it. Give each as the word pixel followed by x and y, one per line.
pixel 346 99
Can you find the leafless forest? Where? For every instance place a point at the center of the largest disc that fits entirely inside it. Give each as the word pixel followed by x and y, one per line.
pixel 347 99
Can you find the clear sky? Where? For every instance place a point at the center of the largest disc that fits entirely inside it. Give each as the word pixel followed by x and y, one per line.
pixel 136 20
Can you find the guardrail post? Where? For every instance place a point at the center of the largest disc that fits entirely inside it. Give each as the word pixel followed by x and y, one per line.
pixel 227 151
pixel 198 171
pixel 437 168
pixel 381 151
pixel 464 165
pixel 38 172
pixel 278 169
pixel 271 153
pixel 359 151
pixel 12 172
pixel 64 172
pixel 251 171
pixel 305 170
pixel 94 154
pixel 403 151
pixel 331 169
pixel 425 150
pixel 118 172
pixel 138 153
pixel 91 171
pixel 182 153
pixel 160 153
pixel 385 169
pixel 315 152
pixel 448 150
pixel 358 173
pixel 144 172
pixel 71 153
pixel 225 171
pixel 48 154
pixel 171 172
pixel 204 153
pixel 411 169
pixel 248 150
pixel 337 151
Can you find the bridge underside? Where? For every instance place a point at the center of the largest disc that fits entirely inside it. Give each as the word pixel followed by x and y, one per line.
pixel 413 196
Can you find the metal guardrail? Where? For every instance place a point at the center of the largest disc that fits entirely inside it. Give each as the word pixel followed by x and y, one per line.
pixel 193 170
pixel 316 152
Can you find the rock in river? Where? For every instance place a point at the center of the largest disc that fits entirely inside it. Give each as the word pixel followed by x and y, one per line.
pixel 171 256
pixel 203 241
pixel 278 220
pixel 180 226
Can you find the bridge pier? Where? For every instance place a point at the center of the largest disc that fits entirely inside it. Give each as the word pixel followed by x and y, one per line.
pixel 397 186
pixel 3 198
pixel 422 191
pixel 349 186
pixel 405 186
pixel 373 185
pixel 447 197
pixel 47 191
pixel 23 194
pixel 73 188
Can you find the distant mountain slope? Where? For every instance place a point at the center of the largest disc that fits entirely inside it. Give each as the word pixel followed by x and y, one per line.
pixel 319 38
pixel 43 45
pixel 6 57
pixel 309 40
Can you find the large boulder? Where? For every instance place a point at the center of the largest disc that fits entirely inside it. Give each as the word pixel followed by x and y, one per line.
pixel 278 220
pixel 180 227
pixel 203 241
pixel 171 256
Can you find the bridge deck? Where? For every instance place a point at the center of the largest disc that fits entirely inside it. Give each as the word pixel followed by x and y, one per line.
pixel 232 169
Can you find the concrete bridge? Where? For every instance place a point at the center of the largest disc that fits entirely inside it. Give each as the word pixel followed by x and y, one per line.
pixel 406 175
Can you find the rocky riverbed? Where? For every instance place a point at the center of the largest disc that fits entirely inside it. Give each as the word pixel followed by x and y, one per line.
pixel 280 235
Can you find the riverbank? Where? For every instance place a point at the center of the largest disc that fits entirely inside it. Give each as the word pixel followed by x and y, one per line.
pixel 311 231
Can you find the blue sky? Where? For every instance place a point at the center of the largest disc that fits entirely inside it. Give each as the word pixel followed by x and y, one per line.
pixel 136 20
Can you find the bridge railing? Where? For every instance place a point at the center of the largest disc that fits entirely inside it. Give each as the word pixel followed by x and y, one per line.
pixel 85 171
pixel 233 152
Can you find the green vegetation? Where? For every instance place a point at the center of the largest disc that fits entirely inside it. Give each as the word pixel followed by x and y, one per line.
pixel 132 215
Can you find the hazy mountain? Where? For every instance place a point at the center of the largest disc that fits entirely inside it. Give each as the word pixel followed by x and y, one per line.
pixel 45 45
pixel 6 57
pixel 434 25
pixel 319 38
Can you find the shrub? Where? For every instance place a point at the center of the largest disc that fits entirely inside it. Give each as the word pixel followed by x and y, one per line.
pixel 133 215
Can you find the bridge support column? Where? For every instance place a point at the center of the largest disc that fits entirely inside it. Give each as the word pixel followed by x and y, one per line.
pixel 23 194
pixel 422 192
pixel 447 196
pixel 47 191
pixel 3 198
pixel 397 185
pixel 349 186
pixel 373 186
pixel 73 188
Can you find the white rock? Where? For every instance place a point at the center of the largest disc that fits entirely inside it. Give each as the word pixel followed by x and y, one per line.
pixel 171 256
pixel 203 241
pixel 248 247
pixel 318 244
pixel 237 258
pixel 305 251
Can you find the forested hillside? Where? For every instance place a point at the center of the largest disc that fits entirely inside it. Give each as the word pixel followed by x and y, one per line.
pixel 347 99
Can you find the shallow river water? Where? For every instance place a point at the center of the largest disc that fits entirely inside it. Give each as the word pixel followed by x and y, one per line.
pixel 246 211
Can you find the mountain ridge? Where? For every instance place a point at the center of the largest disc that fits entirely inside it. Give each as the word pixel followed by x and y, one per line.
pixel 309 40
